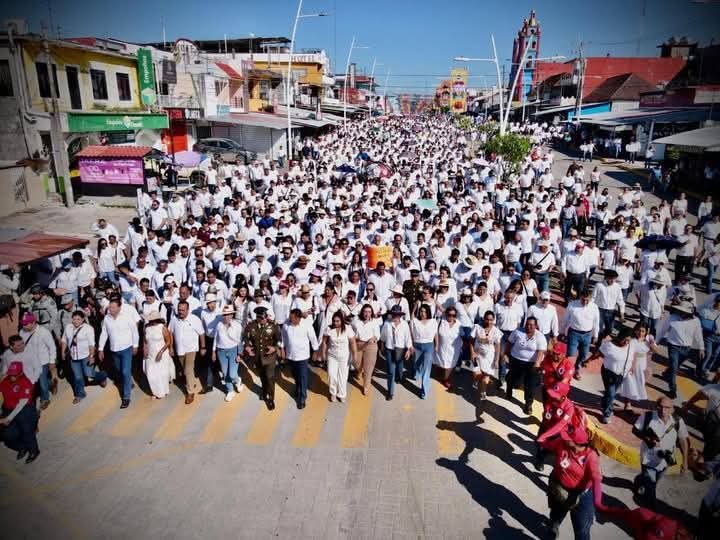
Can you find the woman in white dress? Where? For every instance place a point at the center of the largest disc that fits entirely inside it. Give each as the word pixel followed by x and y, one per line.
pixel 633 385
pixel 449 344
pixel 338 349
pixel 485 352
pixel 158 364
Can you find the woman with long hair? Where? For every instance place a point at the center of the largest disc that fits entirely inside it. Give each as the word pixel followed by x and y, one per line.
pixel 424 329
pixel 241 303
pixel 485 352
pixel 367 335
pixel 356 265
pixel 106 261
pixel 338 350
pixel 371 298
pixel 632 387
pixel 449 344
pixel 158 363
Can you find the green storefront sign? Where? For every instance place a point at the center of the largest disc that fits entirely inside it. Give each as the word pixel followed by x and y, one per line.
pixel 146 77
pixel 78 123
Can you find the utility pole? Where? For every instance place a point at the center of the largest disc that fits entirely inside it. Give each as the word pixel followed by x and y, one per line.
pixel 580 84
pixel 62 168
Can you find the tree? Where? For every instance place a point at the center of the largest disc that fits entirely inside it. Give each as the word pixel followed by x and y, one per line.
pixel 464 123
pixel 512 147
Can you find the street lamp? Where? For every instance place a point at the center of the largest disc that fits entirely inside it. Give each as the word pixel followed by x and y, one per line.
pixel 288 89
pixel 497 70
pixel 372 82
pixel 345 79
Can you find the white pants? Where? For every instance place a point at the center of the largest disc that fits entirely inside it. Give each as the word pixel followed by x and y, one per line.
pixel 338 369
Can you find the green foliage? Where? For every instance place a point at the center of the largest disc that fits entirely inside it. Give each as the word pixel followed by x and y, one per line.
pixel 464 122
pixel 512 147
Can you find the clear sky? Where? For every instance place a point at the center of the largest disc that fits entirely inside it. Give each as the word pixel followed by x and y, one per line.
pixel 410 37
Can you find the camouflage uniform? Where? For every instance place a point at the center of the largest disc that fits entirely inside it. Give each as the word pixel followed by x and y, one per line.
pixel 413 292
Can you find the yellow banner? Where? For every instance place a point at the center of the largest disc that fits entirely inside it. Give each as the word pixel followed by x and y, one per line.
pixel 458 96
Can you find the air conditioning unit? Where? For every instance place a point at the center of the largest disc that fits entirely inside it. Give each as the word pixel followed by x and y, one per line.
pixel 17 26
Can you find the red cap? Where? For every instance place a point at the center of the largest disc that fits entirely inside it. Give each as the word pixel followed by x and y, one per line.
pixel 560 348
pixel 28 318
pixel 558 390
pixel 15 368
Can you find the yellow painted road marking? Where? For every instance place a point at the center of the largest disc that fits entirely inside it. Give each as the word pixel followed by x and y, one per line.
pixel 357 419
pixel 266 422
pixel 97 411
pixel 686 386
pixel 313 416
pixel 135 417
pixel 220 423
pixel 175 423
pixel 449 443
pixel 59 406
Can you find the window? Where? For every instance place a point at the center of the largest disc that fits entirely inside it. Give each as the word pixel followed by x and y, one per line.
pixel 43 77
pixel 264 90
pixel 164 89
pixel 99 84
pixel 219 87
pixel 123 85
pixel 532 44
pixel 6 88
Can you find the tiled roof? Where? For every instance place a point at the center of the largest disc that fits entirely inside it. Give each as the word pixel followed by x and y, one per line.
pixel 114 151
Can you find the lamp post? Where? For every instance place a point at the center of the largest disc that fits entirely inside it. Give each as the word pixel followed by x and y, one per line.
pixel 372 82
pixel 288 85
pixel 345 78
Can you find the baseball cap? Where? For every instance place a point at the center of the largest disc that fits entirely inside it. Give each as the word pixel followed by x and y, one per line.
pixel 28 318
pixel 15 368
pixel 545 295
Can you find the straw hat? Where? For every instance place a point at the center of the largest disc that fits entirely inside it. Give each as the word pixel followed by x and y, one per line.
pixel 153 316
pixel 228 310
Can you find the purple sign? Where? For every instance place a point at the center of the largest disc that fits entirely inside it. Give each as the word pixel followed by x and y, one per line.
pixel 112 171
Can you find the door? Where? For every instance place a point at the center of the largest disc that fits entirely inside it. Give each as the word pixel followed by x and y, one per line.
pixel 73 87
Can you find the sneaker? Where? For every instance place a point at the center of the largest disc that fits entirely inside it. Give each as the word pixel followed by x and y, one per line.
pixel 125 403
pixel 239 387
pixel 605 419
pixel 32 456
pixel 270 405
pixel 483 395
pixel 229 396
pixel 44 403
pixel 78 400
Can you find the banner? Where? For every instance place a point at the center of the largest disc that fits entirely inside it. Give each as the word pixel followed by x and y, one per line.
pixel 458 97
pixel 146 77
pixel 111 171
pixel 86 122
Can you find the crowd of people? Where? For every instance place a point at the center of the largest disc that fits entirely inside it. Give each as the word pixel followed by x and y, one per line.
pixel 260 269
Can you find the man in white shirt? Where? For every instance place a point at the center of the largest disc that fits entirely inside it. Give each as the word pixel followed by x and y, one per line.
pixel 661 432
pixel 609 298
pixel 32 366
pixel 210 316
pixel 546 315
pixel 383 281
pixel 188 337
pixel 226 346
pixel 300 344
pixel 651 303
pixel 574 268
pixel 396 346
pixel 40 344
pixel 581 326
pixel 122 332
pixel 508 318
pixel 683 333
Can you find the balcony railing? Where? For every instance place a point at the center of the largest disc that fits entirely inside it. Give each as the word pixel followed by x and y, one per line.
pixel 179 101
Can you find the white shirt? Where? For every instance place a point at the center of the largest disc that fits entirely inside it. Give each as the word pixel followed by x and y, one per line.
pixel 122 332
pixel 396 336
pixel 39 344
pixel 525 348
pixel 424 331
pixel 682 332
pixel 186 334
pixel 668 439
pixel 619 360
pixel 547 319
pixel 227 336
pixel 508 318
pixel 609 296
pixel 32 365
pixel 210 320
pixel 84 339
pixel 366 330
pixel 297 341
pixel 574 263
pixel 582 318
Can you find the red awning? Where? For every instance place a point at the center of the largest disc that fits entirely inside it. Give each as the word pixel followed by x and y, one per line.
pixel 36 246
pixel 116 151
pixel 230 71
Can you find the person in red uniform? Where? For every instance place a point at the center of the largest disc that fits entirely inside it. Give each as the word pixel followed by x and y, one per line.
pixel 556 367
pixel 19 417
pixel 649 525
pixel 558 410
pixel 575 485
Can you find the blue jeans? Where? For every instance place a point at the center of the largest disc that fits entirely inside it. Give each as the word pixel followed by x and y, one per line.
pixel 712 353
pixel 21 433
pixel 582 515
pixel 612 382
pixel 395 359
pixel 573 281
pixel 110 276
pixel 710 276
pixel 44 383
pixel 647 481
pixel 128 297
pixel 81 369
pixel 229 367
pixel 566 225
pixel 607 322
pixel 676 355
pixel 300 374
pixel 502 366
pixel 543 281
pixel 599 232
pixel 123 365
pixel 423 365
pixel 578 343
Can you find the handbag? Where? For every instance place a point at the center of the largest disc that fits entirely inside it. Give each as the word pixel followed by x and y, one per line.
pixel 709 326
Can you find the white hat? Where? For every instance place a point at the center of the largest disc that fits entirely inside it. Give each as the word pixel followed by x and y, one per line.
pixel 169 279
pixel 228 310
pixel 397 289
pixel 685 307
pixel 545 295
pixel 210 298
pixel 153 316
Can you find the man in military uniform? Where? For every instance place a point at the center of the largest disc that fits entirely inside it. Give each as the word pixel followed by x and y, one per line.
pixel 412 288
pixel 67 303
pixel 39 303
pixel 262 339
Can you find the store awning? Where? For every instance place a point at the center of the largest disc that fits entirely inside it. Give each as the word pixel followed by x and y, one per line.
pixel 266 120
pixel 229 71
pixel 705 139
pixel 30 247
pixel 630 117
pixel 564 108
pixel 114 151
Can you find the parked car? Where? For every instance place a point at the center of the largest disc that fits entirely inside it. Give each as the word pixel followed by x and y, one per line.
pixel 224 149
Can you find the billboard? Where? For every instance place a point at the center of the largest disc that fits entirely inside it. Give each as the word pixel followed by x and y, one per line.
pixel 458 96
pixel 112 171
pixel 146 76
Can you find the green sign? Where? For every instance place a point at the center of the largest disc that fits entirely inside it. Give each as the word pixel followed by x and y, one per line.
pixel 78 123
pixel 146 76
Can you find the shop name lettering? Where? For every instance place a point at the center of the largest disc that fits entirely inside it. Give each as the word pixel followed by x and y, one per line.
pixel 126 122
pixel 147 77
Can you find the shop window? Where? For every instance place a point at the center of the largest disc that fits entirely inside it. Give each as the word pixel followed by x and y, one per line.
pixel 6 88
pixel 99 84
pixel 264 88
pixel 43 76
pixel 123 86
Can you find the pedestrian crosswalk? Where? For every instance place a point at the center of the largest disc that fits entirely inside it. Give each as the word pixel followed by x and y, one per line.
pixel 211 420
